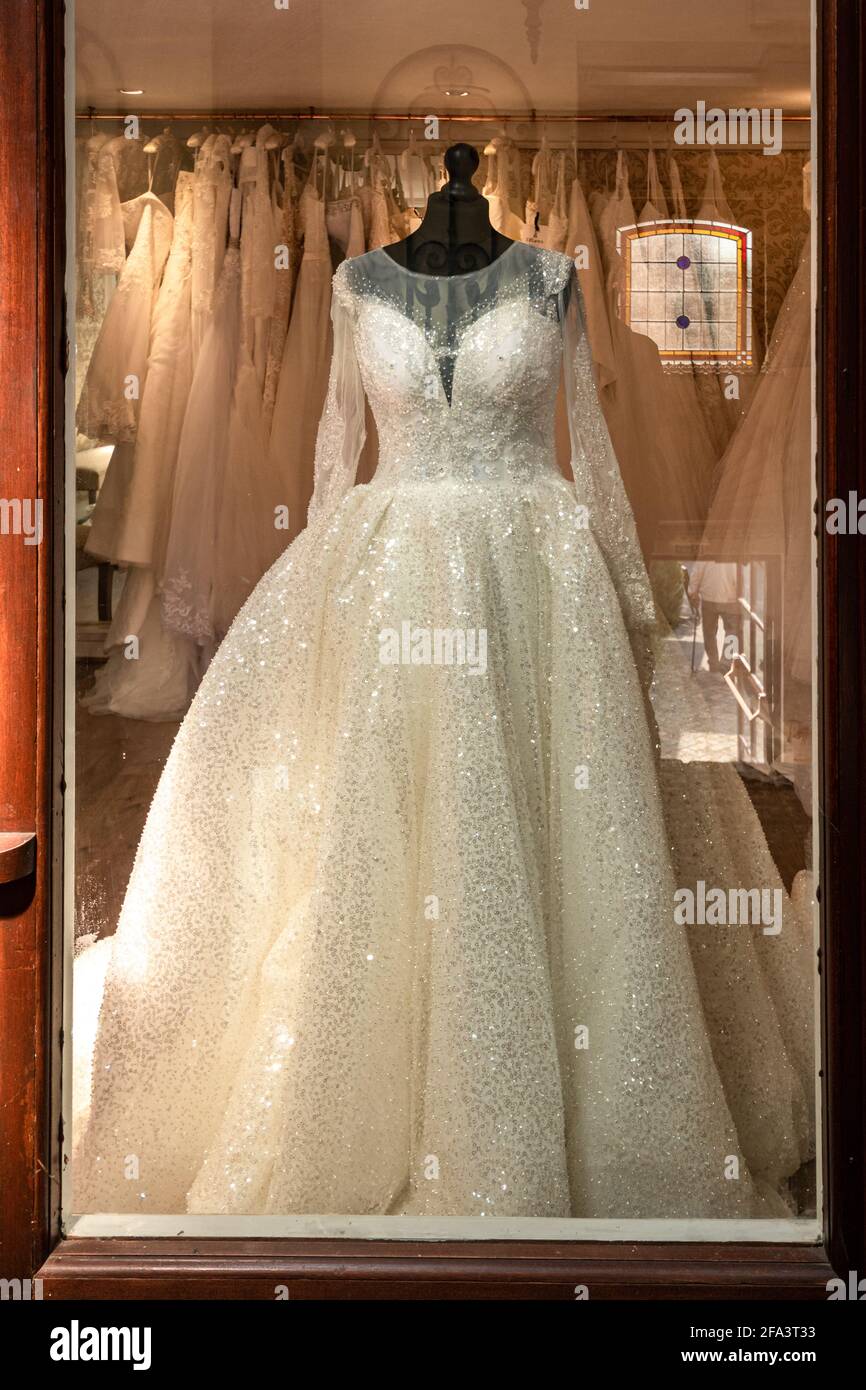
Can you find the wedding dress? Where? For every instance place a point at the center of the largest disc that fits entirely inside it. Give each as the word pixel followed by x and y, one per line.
pixel 109 408
pixel 690 448
pixel 707 379
pixel 415 167
pixel 658 433
pixel 221 516
pixel 212 195
pixel 105 224
pixel 132 518
pixel 582 244
pixel 130 166
pixel 127 522
pixel 723 413
pixel 761 509
pixel 258 243
pixel 110 398
pixel 400 936
pixel 100 246
pixel 502 187
pixel 538 207
pixel 304 374
pixel 287 268
pixel 555 232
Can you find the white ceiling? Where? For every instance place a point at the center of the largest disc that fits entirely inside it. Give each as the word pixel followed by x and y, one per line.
pixel 400 55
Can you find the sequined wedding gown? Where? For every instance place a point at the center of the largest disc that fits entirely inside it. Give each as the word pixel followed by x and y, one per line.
pixel 399 937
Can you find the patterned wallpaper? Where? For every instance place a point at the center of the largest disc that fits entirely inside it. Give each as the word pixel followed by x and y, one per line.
pixel 765 194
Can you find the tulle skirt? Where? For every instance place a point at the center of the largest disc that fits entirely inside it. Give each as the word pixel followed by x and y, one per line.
pixel 400 934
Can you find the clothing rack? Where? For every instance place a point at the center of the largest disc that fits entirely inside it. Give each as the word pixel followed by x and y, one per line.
pixel 595 130
pixel 445 118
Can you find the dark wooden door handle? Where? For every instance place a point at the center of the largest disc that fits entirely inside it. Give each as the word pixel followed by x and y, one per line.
pixel 17 854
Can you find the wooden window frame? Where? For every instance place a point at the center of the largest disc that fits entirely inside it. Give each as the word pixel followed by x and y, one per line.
pixel 32 374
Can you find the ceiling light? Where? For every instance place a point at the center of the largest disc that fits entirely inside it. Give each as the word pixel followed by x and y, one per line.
pixel 131 91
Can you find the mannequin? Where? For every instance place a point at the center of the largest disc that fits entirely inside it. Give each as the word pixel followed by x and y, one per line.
pixel 456 236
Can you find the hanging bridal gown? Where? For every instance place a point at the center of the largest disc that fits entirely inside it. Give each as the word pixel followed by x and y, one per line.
pixel 130 166
pixel 258 243
pixel 304 373
pixel 110 398
pixel 374 908
pixel 502 188
pixel 221 516
pixel 417 177
pixel 581 243
pixel 211 198
pixel 687 431
pixel 659 437
pixel 127 533
pixel 247 540
pixel 761 508
pixel 100 244
pixel 105 223
pixel 538 207
pixel 714 832
pixel 555 231
pixel 159 683
pixel 286 237
pixel 110 408
pixel 727 412
pixel 707 379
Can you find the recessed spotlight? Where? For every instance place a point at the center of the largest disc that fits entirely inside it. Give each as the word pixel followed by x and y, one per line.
pixel 131 91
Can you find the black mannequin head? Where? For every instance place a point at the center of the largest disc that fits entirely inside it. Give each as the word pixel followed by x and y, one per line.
pixel 461 161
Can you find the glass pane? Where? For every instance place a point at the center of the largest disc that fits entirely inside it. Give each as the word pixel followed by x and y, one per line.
pixel 444 636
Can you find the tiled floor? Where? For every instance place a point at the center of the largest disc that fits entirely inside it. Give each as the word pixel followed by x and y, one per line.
pixel 118 763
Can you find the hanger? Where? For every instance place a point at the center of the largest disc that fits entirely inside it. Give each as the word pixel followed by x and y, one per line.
pixel 543 151
pixel 347 168
pixel 154 145
pixel 294 146
pixel 239 143
pixel 198 139
pixel 397 187
pixel 288 157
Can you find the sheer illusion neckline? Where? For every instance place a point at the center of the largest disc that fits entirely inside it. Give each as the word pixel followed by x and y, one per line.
pixel 467 275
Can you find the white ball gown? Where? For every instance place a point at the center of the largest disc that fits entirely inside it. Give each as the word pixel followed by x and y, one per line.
pixel 400 935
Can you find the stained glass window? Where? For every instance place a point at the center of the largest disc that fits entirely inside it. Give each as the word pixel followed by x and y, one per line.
pixel 688 286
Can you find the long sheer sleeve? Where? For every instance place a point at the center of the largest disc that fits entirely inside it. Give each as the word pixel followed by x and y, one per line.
pixel 598 481
pixel 342 428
